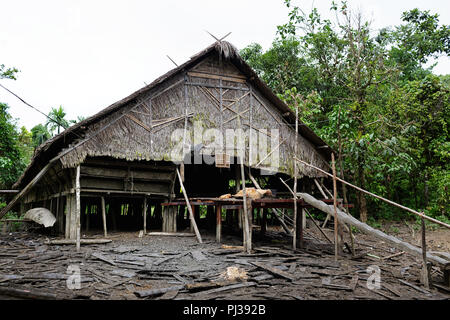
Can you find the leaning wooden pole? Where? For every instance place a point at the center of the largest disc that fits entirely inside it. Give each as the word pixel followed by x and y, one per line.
pixel 191 213
pixel 377 196
pixel 336 220
pixel 78 206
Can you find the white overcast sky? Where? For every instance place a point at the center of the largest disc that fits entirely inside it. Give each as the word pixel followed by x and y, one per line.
pixel 86 55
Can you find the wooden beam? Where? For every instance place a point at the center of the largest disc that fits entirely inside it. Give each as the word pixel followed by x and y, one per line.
pixel 216 77
pixel 9 191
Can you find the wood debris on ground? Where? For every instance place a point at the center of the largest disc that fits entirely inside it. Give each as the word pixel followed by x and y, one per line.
pixel 170 268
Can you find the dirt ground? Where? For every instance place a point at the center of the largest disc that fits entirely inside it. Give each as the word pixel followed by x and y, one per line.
pixel 130 267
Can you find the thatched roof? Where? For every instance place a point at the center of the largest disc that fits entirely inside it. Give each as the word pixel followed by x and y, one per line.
pixel 227 51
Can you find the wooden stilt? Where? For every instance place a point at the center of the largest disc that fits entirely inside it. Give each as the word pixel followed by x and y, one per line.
pixel 300 221
pixel 104 216
pixel 191 225
pixel 294 238
pixel 77 205
pixel 218 223
pixel 73 218
pixel 145 215
pixel 263 221
pixel 68 215
pixel 87 214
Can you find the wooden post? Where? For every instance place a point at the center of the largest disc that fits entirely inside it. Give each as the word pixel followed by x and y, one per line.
pixel 294 238
pixel 249 224
pixel 104 216
pixel 67 215
pixel 145 215
pixel 218 223
pixel 87 206
pixel 301 223
pixel 425 273
pixel 77 206
pixel 191 225
pixel 263 221
pixel 336 222
pixel 188 204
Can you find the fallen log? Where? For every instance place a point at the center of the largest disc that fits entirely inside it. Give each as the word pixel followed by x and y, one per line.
pixel 27 294
pixel 345 218
pixel 155 292
pixel 82 241
pixel 171 234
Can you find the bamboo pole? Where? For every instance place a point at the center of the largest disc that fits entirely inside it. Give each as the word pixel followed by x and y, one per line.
pixel 336 220
pixel 188 204
pixel 77 206
pixel 376 196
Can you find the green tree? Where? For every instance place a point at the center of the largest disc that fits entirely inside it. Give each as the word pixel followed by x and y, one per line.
pixel 12 161
pixel 39 134
pixel 26 144
pixel 417 40
pixel 368 95
pixel 282 67
pixel 56 120
pixel 8 73
pixel 420 114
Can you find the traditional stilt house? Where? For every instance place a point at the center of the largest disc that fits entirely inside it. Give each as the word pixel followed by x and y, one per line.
pixel 119 162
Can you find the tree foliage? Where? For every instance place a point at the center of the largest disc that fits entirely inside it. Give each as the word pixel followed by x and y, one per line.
pixel 368 94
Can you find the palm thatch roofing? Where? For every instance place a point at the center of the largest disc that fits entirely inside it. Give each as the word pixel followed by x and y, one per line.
pixel 52 147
